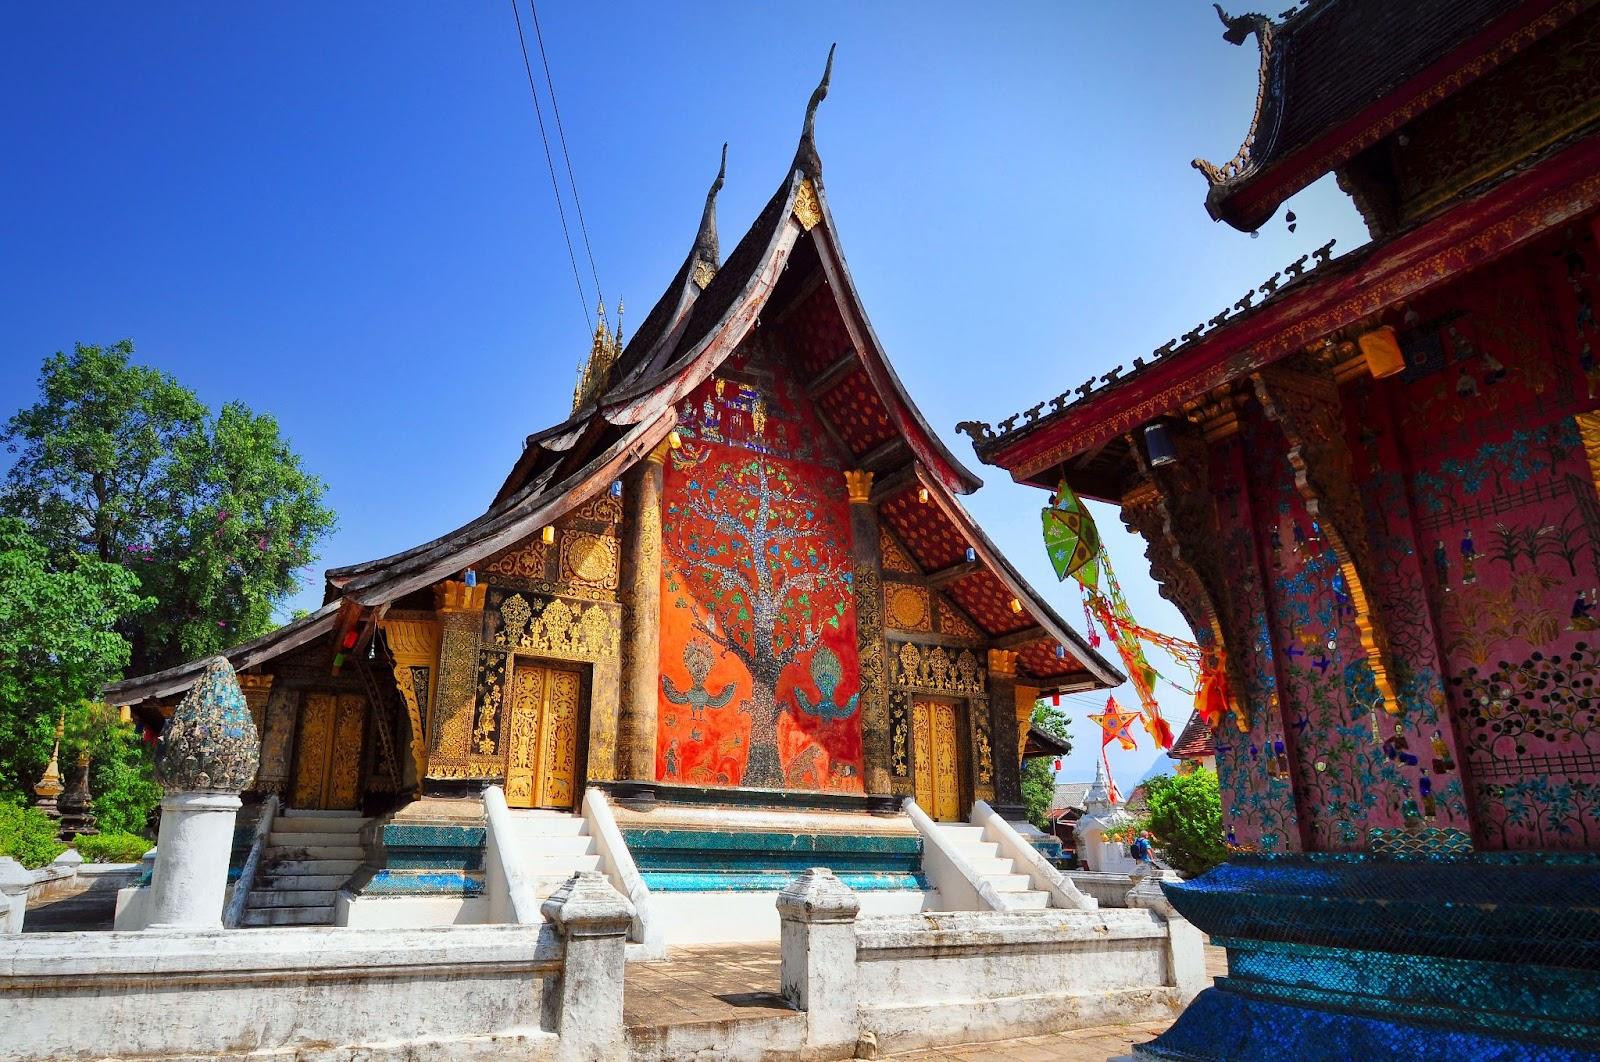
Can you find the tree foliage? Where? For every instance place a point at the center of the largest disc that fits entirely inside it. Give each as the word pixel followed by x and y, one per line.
pixel 58 645
pixel 27 835
pixel 1185 815
pixel 1039 775
pixel 119 463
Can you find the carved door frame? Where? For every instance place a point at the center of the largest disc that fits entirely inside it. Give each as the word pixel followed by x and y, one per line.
pixel 584 672
pixel 958 750
pixel 323 748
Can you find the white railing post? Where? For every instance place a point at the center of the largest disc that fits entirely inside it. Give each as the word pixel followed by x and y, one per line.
pixel 15 881
pixel 593 919
pixel 511 896
pixel 1030 861
pixel 817 917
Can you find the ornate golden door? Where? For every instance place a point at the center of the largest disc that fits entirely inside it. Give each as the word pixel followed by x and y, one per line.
pixel 936 765
pixel 327 763
pixel 542 750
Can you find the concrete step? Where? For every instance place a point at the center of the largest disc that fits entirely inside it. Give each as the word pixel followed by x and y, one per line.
pixel 984 867
pixel 300 881
pixel 316 848
pixel 548 824
pixel 961 832
pixel 285 864
pixel 1009 882
pixel 288 916
pixel 567 865
pixel 1032 900
pixel 319 824
pixel 309 839
pixel 316 813
pixel 548 847
pixel 291 898
pixel 974 850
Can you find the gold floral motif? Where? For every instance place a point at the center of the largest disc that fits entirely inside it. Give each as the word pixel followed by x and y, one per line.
pixel 907 607
pixel 602 509
pixel 567 631
pixel 702 275
pixel 953 623
pixel 983 753
pixel 589 559
pixel 311 761
pixel 514 614
pixel 457 687
pixel 526 560
pixel 933 669
pixel 807 211
pixel 895 558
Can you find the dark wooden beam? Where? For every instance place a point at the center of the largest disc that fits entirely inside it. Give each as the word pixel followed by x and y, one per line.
pixel 886 487
pixel 774 316
pixel 833 375
pixel 1015 640
pixel 945 576
pixel 889 454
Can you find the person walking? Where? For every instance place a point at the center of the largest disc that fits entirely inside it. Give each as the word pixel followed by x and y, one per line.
pixel 1140 849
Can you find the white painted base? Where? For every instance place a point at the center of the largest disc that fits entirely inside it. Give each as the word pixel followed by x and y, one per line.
pixel 731 917
pixel 409 912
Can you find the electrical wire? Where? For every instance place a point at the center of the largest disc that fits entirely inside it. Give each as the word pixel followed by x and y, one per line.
pixel 561 134
pixel 550 162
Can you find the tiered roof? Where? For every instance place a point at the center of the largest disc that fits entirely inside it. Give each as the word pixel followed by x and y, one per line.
pixel 788 274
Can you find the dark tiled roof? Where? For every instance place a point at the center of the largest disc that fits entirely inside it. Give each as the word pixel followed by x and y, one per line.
pixel 1196 741
pixel 1326 63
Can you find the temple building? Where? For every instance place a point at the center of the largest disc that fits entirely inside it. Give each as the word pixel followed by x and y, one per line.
pixel 1370 487
pixel 735 593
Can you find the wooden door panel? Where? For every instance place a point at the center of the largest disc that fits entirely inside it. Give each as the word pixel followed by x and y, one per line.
pixel 311 756
pixel 344 767
pixel 559 740
pixel 922 757
pixel 527 704
pixel 327 768
pixel 946 763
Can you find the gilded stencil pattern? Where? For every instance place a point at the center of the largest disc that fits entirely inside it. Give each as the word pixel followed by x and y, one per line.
pixel 953 623
pixel 524 561
pixel 491 692
pixel 558 629
pixel 458 669
pixel 311 763
pixel 983 752
pixel 907 607
pixel 602 509
pixel 527 703
pixel 935 669
pixel 900 733
pixel 590 559
pixel 895 558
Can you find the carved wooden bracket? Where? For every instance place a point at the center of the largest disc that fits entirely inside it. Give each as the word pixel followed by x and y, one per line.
pixel 1173 509
pixel 1303 397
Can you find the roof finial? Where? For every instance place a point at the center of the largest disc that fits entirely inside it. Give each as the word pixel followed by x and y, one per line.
pixel 817 96
pixel 705 241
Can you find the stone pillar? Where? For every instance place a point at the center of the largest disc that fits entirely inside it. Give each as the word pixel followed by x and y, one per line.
pixel 15 881
pixel 641 621
pixel 460 611
pixel 1004 720
pixel 817 916
pixel 593 919
pixel 207 755
pixel 868 587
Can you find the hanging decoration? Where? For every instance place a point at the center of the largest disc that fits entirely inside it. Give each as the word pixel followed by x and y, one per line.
pixel 1115 723
pixel 1112 795
pixel 1070 535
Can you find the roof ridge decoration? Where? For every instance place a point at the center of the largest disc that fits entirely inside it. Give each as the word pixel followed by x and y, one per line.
pixel 806 157
pixel 984 435
pixel 594 376
pixel 707 253
pixel 1268 89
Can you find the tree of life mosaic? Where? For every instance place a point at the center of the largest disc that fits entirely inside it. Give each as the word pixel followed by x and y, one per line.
pixel 759 670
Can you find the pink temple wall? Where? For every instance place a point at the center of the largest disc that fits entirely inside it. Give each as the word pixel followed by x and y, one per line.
pixel 1484 525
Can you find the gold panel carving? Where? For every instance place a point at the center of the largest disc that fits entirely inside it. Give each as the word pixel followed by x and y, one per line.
pixel 522 741
pixel 256 690
pixel 526 560
pixel 316 736
pixel 703 274
pixel 807 211
pixel 982 749
pixel 328 763
pixel 895 558
pixel 602 509
pixel 542 749
pixel 936 669
pixel 590 559
pixel 570 632
pixel 938 762
pixel 414 643
pixel 953 622
pixel 906 607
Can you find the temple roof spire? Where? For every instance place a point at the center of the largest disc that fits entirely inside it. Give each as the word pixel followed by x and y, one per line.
pixel 705 241
pixel 806 157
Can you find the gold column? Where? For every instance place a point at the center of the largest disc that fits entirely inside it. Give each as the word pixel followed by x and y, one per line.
pixel 415 643
pixel 1026 696
pixel 641 618
pixel 868 590
pixel 460 609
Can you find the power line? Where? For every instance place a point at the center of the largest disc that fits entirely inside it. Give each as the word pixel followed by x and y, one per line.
pixel 561 134
pixel 550 162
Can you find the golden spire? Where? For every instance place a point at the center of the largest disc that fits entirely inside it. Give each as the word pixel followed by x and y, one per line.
pixel 595 373
pixel 50 786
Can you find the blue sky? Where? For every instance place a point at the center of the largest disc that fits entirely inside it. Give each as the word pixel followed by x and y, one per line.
pixel 340 214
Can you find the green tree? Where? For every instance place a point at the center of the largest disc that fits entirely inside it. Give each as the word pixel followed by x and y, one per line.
pixel 58 645
pixel 215 515
pixel 1186 818
pixel 1039 774
pixel 122 776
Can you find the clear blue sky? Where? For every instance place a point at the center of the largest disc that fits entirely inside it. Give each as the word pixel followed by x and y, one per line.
pixel 340 214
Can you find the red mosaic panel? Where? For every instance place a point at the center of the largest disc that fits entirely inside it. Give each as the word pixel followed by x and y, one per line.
pixel 816 332
pixel 987 600
pixel 857 413
pixel 1039 659
pixel 930 536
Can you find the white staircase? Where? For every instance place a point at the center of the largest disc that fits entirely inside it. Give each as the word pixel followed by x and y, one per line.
pixel 995 870
pixel 309 857
pixel 552 846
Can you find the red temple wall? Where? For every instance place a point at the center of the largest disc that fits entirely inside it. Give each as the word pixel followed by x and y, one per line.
pixel 1484 528
pixel 760 671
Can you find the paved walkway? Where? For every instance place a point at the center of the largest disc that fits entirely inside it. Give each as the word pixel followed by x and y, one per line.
pixel 739 982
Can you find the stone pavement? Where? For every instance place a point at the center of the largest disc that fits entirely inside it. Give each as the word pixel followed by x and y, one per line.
pixel 739 982
pixel 81 909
